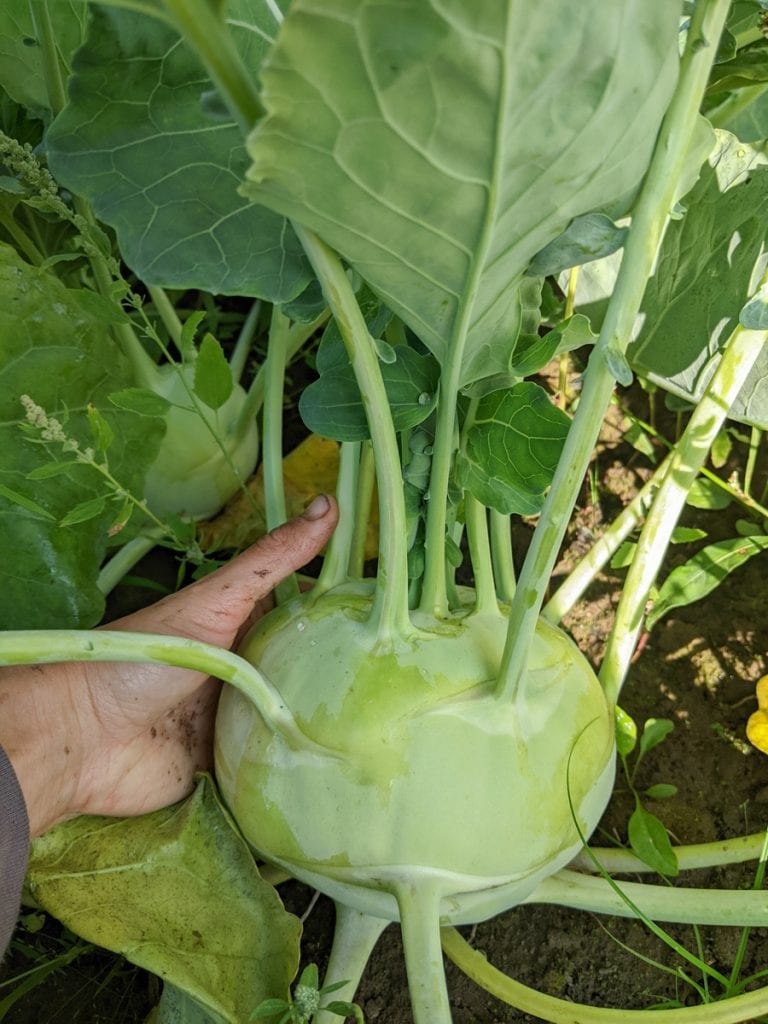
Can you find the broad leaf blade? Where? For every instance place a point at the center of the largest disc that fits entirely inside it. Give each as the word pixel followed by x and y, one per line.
pixel 408 135
pixel 332 405
pixel 54 351
pixel 707 269
pixel 178 893
pixel 512 449
pixel 136 141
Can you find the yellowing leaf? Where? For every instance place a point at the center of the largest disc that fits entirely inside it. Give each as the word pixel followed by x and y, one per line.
pixel 757 726
pixel 310 469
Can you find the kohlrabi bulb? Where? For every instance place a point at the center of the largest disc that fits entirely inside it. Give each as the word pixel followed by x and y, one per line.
pixel 191 475
pixel 427 773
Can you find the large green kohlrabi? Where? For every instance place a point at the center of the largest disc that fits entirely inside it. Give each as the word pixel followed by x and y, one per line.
pixel 205 454
pixel 427 775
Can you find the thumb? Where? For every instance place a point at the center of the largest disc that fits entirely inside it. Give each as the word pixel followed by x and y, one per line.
pixel 214 608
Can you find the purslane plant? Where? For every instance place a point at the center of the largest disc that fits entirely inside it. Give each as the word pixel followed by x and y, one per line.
pixel 421 751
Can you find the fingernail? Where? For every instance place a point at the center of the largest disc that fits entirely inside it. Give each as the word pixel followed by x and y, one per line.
pixel 318 508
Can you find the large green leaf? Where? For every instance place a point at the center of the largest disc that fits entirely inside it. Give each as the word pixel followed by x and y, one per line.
pixel 440 147
pixel 708 267
pixel 512 449
pixel 21 62
pixel 55 351
pixel 333 407
pixel 144 140
pixel 178 893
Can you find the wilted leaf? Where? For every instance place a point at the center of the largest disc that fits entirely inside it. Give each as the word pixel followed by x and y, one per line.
pixel 757 726
pixel 178 893
pixel 310 469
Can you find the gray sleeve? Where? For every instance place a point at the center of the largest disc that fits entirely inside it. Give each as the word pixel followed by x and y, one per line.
pixel 14 849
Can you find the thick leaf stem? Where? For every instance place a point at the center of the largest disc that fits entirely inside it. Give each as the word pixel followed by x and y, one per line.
pixel 390 610
pixel 354 937
pixel 649 218
pixel 741 351
pixel 434 590
pixel 167 313
pixel 239 357
pixel 20 237
pixel 126 558
pixel 207 32
pixel 419 904
pixel 338 554
pixel 297 336
pixel 366 481
pixel 563 1011
pixel 501 552
pixel 476 518
pixel 45 646
pixel 272 439
pixel 737 907
pixel 52 73
pixel 620 861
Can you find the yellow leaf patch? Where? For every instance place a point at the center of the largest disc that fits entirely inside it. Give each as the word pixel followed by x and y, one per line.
pixel 757 726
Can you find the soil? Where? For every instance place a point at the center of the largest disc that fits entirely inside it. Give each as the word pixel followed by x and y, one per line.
pixel 698 668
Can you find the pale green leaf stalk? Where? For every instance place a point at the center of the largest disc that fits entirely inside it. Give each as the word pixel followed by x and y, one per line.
pixel 43 646
pixel 561 1011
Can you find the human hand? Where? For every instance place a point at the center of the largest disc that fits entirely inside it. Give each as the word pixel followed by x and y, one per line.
pixel 123 738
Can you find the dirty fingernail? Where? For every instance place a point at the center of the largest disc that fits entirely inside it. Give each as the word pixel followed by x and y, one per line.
pixel 318 508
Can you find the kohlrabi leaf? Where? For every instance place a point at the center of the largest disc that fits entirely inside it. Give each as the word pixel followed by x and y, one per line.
pixel 707 270
pixel 512 449
pixel 332 406
pixel 137 142
pixel 751 124
pixel 701 574
pixel 586 238
pixel 21 58
pixel 176 892
pixel 439 168
pixel 747 67
pixel 54 351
